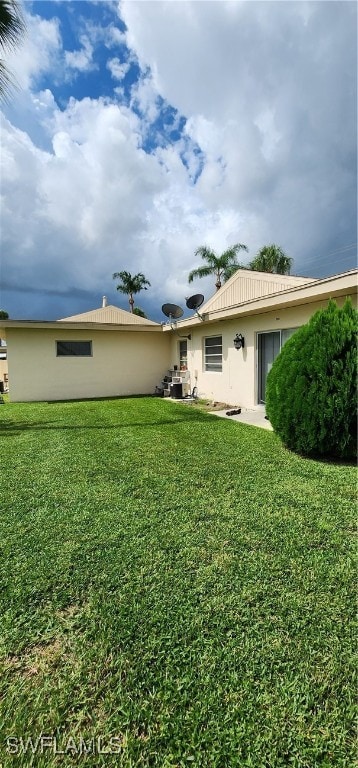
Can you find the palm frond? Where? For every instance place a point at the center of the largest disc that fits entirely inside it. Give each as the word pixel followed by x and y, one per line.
pixel 12 28
pixel 200 272
pixel 207 254
pixel 12 25
pixel 272 258
pixel 130 283
pixel 232 252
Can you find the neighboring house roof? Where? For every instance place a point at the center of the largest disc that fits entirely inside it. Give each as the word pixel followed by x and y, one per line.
pixel 108 318
pixel 108 314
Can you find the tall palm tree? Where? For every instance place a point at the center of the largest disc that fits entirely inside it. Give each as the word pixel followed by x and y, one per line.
pixel 131 284
pixel 12 28
pixel 222 266
pixel 271 258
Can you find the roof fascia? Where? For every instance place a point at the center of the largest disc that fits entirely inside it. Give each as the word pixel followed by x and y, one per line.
pixel 301 294
pixel 77 326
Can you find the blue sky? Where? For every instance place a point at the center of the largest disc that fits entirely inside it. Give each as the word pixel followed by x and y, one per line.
pixel 141 130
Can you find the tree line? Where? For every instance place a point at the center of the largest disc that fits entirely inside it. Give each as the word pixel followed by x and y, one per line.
pixel 270 258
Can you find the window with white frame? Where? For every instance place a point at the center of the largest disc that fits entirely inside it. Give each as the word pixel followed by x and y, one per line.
pixel 183 355
pixel 213 353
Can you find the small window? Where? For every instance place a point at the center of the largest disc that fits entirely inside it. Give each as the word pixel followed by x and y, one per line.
pixel 213 353
pixel 183 355
pixel 74 348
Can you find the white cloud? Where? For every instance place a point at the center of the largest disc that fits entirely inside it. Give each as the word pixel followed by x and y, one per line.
pixel 268 146
pixel 117 68
pixel 114 37
pixel 269 90
pixel 82 59
pixel 98 203
pixel 38 52
pixel 144 97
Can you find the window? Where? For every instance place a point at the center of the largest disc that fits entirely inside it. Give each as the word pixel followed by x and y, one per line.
pixel 74 348
pixel 183 355
pixel 213 353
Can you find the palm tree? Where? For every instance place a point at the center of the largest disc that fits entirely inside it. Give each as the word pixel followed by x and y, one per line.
pixel 271 258
pixel 138 311
pixel 12 28
pixel 131 284
pixel 222 266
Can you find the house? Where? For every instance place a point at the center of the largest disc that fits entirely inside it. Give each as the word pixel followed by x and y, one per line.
pixel 111 352
pixel 102 353
pixel 265 309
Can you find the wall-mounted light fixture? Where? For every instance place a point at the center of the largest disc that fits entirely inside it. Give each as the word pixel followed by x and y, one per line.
pixel 239 341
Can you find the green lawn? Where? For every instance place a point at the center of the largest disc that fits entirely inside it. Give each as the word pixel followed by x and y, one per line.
pixel 178 582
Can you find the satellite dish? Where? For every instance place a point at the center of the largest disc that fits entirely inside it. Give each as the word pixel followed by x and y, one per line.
pixel 172 311
pixel 194 302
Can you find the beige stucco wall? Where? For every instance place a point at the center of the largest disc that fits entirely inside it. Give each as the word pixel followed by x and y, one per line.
pixel 122 363
pixel 3 369
pixel 237 384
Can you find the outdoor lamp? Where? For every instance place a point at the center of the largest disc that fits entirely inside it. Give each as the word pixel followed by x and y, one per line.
pixel 239 341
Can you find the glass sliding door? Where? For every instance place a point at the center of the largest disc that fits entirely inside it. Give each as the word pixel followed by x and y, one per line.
pixel 269 345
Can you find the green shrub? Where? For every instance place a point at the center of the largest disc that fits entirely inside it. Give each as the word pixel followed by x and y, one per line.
pixel 311 388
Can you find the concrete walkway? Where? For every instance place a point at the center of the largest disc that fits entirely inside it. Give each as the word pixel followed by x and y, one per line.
pixel 254 417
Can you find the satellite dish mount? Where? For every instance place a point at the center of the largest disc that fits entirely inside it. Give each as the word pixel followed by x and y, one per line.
pixel 194 302
pixel 173 312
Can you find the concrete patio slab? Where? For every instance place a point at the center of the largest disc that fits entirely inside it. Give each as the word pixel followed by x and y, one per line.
pixel 254 417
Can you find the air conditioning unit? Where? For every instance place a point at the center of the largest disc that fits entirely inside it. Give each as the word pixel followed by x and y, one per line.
pixel 185 376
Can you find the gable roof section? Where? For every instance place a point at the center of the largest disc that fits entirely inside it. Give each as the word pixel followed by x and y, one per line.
pixel 108 314
pixel 246 284
pixel 318 289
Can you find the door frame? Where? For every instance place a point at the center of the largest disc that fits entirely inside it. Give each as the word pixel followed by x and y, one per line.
pixel 292 330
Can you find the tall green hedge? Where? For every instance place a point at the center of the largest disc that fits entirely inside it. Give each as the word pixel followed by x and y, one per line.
pixel 311 397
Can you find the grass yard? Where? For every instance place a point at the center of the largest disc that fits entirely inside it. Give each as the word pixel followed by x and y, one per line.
pixel 177 582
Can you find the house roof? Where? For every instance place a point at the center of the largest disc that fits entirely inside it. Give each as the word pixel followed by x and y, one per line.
pixel 247 284
pixel 108 318
pixel 246 293
pixel 108 314
pixel 306 292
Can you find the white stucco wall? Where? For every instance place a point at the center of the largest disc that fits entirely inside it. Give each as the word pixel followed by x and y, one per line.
pixel 122 363
pixel 237 384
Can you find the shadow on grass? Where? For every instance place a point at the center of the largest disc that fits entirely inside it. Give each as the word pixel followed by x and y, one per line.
pixel 14 427
pixel 77 401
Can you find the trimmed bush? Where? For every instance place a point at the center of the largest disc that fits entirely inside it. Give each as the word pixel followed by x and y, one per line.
pixel 311 396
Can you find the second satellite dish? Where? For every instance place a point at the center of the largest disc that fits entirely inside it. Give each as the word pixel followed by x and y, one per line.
pixel 172 311
pixel 194 302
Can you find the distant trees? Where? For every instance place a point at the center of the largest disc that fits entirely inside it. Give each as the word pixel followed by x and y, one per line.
pixel 271 258
pixel 222 267
pixel 12 29
pixel 3 315
pixel 131 285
